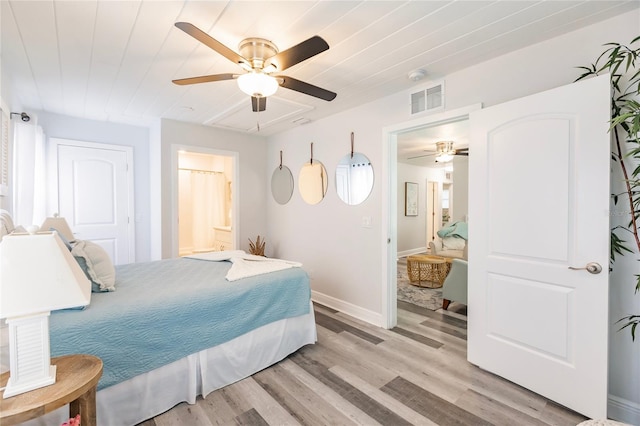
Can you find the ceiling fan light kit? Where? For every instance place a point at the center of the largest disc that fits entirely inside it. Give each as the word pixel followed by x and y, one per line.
pixel 444 158
pixel 258 84
pixel 444 151
pixel 259 58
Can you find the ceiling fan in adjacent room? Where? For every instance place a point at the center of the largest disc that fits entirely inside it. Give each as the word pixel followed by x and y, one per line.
pixel 444 152
pixel 260 59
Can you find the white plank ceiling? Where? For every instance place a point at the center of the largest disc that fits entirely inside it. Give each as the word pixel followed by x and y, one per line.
pixel 114 60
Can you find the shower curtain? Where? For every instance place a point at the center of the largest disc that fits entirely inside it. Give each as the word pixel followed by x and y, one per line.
pixel 207 198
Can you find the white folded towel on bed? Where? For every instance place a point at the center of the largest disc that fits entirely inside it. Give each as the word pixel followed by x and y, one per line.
pixel 244 264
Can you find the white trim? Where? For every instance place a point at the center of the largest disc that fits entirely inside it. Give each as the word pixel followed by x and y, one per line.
pixel 389 221
pixel 389 174
pixel 53 203
pixel 348 308
pixel 623 410
pixel 235 195
pixel 5 170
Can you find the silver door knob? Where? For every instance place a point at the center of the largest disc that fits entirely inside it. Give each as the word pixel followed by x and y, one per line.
pixel 592 268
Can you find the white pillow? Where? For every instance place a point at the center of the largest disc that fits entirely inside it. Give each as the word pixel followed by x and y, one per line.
pixel 99 268
pixel 453 243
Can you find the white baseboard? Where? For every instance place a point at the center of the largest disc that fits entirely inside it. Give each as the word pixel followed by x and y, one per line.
pixel 412 251
pixel 355 311
pixel 623 410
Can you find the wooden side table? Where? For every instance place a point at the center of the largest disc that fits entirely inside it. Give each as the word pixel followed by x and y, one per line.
pixel 427 269
pixel 76 379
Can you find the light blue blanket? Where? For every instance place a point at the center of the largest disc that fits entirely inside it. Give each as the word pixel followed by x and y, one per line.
pixel 165 310
pixel 456 229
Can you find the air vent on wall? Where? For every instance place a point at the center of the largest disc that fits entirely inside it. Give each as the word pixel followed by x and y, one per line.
pixel 428 99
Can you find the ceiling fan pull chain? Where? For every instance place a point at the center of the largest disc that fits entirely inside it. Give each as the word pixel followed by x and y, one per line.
pixel 352 136
pixel 311 160
pixel 280 159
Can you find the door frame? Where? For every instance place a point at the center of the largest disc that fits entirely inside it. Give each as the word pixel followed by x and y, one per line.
pixel 235 194
pixel 389 214
pixel 435 207
pixel 53 202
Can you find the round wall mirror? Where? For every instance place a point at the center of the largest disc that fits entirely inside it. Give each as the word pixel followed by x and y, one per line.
pixel 354 178
pixel 282 184
pixel 313 182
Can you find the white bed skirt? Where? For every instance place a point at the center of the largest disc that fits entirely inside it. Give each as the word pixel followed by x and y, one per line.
pixel 155 392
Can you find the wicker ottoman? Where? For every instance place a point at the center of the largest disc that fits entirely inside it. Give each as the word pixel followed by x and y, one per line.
pixel 427 271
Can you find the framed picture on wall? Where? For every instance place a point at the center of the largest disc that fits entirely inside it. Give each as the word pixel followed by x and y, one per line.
pixel 410 199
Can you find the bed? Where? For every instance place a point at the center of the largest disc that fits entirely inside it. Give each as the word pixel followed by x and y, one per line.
pixel 177 328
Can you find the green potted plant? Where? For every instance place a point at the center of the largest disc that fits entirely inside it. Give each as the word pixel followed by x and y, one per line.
pixel 621 62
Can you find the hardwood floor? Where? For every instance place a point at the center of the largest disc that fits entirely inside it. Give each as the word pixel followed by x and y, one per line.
pixel 356 373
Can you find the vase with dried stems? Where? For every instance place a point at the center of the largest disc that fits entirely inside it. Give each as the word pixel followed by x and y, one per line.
pixel 257 248
pixel 622 63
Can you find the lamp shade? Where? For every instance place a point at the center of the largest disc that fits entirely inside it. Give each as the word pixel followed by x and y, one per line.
pixel 59 224
pixel 258 84
pixel 38 274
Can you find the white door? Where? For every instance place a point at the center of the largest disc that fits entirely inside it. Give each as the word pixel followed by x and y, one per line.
pixel 95 196
pixel 538 207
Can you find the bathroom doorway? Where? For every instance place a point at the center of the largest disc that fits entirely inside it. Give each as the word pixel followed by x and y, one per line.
pixel 205 202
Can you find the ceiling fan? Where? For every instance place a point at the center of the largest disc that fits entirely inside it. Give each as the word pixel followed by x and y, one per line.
pixel 444 152
pixel 260 58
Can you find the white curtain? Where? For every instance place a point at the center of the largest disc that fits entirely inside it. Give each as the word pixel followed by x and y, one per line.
pixel 207 196
pixel 29 174
pixel 360 179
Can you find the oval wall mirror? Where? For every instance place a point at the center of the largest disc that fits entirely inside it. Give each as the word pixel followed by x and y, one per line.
pixel 354 178
pixel 313 182
pixel 282 184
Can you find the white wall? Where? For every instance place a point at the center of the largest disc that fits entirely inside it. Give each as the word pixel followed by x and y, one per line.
pixel 5 200
pixel 343 257
pixel 460 178
pixel 624 374
pixel 412 230
pixel 251 186
pixel 65 127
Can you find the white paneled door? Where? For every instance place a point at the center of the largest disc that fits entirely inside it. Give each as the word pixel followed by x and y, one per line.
pixel 95 195
pixel 539 235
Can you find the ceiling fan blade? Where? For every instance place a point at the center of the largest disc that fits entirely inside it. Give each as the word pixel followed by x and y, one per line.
pixel 204 79
pixel 421 156
pixel 258 104
pixel 298 53
pixel 211 42
pixel 463 151
pixel 306 88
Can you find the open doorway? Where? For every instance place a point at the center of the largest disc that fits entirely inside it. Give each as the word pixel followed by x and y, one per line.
pixel 393 141
pixel 442 188
pixel 205 200
pixel 204 203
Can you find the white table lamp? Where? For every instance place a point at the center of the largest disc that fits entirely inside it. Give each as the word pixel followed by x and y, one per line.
pixel 38 274
pixel 59 224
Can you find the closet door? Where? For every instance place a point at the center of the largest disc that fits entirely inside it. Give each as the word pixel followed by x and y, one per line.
pixel 95 196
